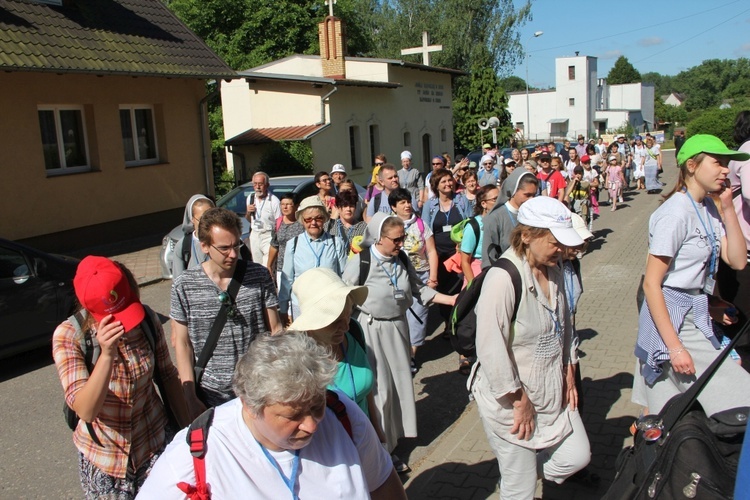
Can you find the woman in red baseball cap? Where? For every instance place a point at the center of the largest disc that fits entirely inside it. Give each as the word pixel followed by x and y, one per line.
pixel 109 380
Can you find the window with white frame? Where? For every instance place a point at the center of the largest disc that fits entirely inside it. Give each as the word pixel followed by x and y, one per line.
pixel 138 135
pixel 64 144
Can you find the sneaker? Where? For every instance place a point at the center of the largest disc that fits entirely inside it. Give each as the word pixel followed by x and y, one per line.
pixel 620 199
pixel 400 466
pixel 414 368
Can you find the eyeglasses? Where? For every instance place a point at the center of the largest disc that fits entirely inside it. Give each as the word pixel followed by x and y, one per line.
pixel 379 164
pixel 227 301
pixel 488 163
pixel 491 199
pixel 325 179
pixel 398 241
pixel 319 220
pixel 224 250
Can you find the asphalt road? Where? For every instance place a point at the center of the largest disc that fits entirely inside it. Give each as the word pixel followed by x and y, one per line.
pixel 38 456
pixel 40 461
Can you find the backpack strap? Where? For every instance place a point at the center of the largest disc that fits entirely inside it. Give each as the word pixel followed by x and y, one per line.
pixel 377 201
pixel 365 258
pixel 339 409
pixel 420 226
pixel 197 440
pixel 186 250
pixel 515 279
pixel 355 330
pixel 149 330
pixel 474 223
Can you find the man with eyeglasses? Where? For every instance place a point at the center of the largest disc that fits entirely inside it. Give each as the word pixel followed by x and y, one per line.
pixel 197 297
pixel 411 179
pixel 263 208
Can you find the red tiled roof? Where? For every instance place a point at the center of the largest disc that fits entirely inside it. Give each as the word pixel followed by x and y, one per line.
pixel 276 134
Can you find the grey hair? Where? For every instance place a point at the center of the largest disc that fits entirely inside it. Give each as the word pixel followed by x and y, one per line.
pixel 265 176
pixel 290 368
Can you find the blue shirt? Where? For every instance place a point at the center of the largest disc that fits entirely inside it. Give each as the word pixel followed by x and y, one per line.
pixel 327 251
pixel 469 240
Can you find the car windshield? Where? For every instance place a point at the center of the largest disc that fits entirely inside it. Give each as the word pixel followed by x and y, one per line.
pixel 236 199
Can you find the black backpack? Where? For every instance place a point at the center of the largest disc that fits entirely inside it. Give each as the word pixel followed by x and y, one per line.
pixel 463 318
pixel 91 351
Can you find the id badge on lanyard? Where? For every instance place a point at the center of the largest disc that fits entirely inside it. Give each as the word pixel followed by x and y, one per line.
pixel 713 266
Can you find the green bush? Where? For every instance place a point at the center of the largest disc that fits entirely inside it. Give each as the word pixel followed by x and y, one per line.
pixel 715 121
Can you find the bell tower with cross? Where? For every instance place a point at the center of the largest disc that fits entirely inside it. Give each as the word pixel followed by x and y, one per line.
pixel 332 44
pixel 425 49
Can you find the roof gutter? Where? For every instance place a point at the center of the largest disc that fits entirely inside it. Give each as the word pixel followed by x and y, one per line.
pixel 205 143
pixel 323 103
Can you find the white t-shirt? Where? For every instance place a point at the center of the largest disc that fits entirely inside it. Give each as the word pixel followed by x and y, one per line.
pixel 675 231
pixel 267 211
pixel 333 465
pixel 639 155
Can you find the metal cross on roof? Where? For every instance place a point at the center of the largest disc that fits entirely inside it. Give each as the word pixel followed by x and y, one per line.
pixel 425 49
pixel 330 3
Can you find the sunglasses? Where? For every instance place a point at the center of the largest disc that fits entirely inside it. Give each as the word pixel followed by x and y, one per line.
pixel 379 164
pixel 227 301
pixel 319 219
pixel 224 250
pixel 398 241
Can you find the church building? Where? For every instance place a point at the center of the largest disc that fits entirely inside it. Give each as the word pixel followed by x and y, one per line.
pixel 348 109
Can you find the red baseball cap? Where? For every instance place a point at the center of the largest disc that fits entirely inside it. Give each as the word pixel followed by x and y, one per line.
pixel 585 159
pixel 102 288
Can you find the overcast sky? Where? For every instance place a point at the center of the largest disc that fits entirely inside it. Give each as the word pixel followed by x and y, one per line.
pixel 666 36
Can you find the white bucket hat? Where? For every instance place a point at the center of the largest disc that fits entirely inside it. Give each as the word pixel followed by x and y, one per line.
pixel 321 296
pixel 338 168
pixel 548 213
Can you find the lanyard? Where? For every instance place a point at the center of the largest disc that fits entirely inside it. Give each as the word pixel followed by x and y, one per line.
pixel 393 277
pixel 709 234
pixel 447 212
pixel 351 373
pixel 513 218
pixel 555 320
pixel 322 247
pixel 259 212
pixel 348 235
pixel 295 470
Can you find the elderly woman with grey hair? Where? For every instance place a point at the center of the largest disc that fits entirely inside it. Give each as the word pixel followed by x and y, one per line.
pixel 278 438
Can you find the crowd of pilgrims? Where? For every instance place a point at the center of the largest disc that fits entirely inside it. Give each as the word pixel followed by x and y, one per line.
pixel 358 275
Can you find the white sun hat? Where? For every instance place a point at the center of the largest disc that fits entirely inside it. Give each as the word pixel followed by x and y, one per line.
pixel 321 296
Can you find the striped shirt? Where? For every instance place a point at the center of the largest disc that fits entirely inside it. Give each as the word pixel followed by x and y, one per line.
pixel 195 301
pixel 131 423
pixel 650 348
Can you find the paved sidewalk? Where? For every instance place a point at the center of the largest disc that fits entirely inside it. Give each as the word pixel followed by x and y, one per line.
pixel 462 466
pixel 459 463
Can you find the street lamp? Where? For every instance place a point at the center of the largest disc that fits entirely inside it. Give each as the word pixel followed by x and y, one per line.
pixel 536 34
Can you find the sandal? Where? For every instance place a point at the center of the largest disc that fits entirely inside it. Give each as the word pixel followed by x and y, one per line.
pixel 400 465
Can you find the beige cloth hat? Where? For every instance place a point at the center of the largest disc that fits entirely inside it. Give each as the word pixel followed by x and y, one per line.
pixel 321 296
pixel 311 202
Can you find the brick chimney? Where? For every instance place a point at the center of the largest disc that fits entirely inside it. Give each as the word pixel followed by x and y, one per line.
pixel 332 43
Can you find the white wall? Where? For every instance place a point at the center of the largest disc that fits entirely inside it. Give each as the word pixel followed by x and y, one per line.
pixel 421 106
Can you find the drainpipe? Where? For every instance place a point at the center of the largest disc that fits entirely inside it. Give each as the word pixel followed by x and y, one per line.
pixel 323 103
pixel 205 146
pixel 243 164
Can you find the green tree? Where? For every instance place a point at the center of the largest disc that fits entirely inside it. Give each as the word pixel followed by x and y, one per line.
pixel 662 83
pixel 514 84
pixel 623 72
pixel 482 97
pixel 718 122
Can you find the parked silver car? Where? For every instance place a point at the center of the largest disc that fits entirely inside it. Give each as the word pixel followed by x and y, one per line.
pixel 236 201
